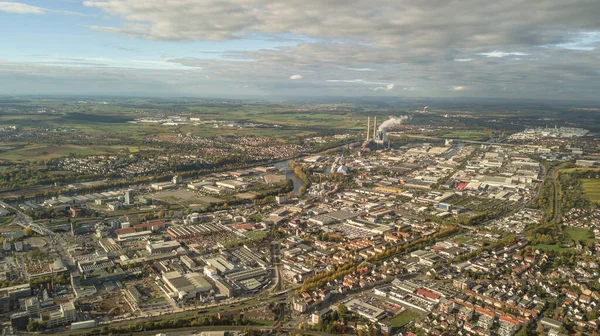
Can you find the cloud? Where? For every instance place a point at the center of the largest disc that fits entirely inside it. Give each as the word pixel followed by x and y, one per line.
pixel 379 22
pixel 20 8
pixel 388 87
pixel 359 46
pixel 500 54
pixel 296 77
pixel 586 41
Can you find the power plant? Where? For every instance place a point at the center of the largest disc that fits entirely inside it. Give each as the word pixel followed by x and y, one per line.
pixel 379 136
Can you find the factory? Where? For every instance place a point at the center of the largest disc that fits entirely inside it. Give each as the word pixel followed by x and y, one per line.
pixel 162 247
pixel 380 133
pixel 185 286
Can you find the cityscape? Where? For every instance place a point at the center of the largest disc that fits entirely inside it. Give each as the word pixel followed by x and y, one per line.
pixel 299 168
pixel 416 224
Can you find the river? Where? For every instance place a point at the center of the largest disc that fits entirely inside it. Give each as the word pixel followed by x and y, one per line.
pixel 289 174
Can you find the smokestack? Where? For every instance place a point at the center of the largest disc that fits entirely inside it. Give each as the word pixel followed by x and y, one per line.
pixel 368 127
pixel 374 127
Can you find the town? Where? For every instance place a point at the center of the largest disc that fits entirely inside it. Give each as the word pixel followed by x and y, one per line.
pixel 384 234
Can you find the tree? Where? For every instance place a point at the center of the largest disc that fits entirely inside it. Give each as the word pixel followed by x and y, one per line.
pixel 28 231
pixel 35 325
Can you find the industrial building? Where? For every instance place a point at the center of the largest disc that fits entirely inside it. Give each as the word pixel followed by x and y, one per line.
pixel 10 295
pixel 233 184
pixel 195 230
pixel 162 247
pixel 366 310
pixel 186 286
pixel 66 314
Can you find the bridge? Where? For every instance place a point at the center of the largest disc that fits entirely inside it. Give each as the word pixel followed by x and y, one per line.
pixel 25 221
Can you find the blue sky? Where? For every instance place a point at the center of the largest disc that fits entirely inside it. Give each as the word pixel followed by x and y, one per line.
pixel 519 49
pixel 62 34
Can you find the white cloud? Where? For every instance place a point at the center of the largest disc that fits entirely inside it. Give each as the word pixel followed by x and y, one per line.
pixel 458 88
pixel 296 77
pixel 360 81
pixel 20 8
pixel 388 87
pixel 499 54
pixel 463 59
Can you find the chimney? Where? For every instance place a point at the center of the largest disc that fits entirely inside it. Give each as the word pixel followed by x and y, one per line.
pixel 374 127
pixel 368 127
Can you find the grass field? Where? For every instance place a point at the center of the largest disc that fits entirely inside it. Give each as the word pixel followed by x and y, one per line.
pixel 4 220
pixel 263 322
pixel 592 189
pixel 579 234
pixel 404 318
pixel 570 170
pixel 571 233
pixel 34 152
pixel 553 247
pixel 474 135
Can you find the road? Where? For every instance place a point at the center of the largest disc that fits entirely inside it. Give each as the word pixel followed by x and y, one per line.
pixel 278 286
pixel 552 175
pixel 25 221
pixel 190 330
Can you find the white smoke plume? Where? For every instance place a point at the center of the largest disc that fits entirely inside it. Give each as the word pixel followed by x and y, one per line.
pixel 393 121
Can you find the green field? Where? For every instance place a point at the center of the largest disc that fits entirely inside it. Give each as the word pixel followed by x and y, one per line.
pixel 571 233
pixel 570 170
pixel 34 152
pixel 579 234
pixel 267 323
pixel 592 189
pixel 553 247
pixel 404 318
pixel 6 220
pixel 473 135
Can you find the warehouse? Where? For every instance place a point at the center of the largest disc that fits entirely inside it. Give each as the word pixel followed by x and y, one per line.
pixel 162 247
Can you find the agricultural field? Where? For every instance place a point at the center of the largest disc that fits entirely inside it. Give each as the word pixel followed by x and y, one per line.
pixel 471 134
pixel 35 152
pixel 592 189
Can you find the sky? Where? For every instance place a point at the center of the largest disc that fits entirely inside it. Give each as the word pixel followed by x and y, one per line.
pixel 535 49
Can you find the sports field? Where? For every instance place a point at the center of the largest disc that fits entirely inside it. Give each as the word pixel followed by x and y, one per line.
pixel 591 187
pixel 404 318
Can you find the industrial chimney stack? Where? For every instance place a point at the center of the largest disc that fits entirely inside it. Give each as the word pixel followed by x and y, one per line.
pixel 368 127
pixel 375 127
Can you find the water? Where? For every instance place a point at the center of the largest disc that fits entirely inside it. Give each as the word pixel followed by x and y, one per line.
pixel 289 174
